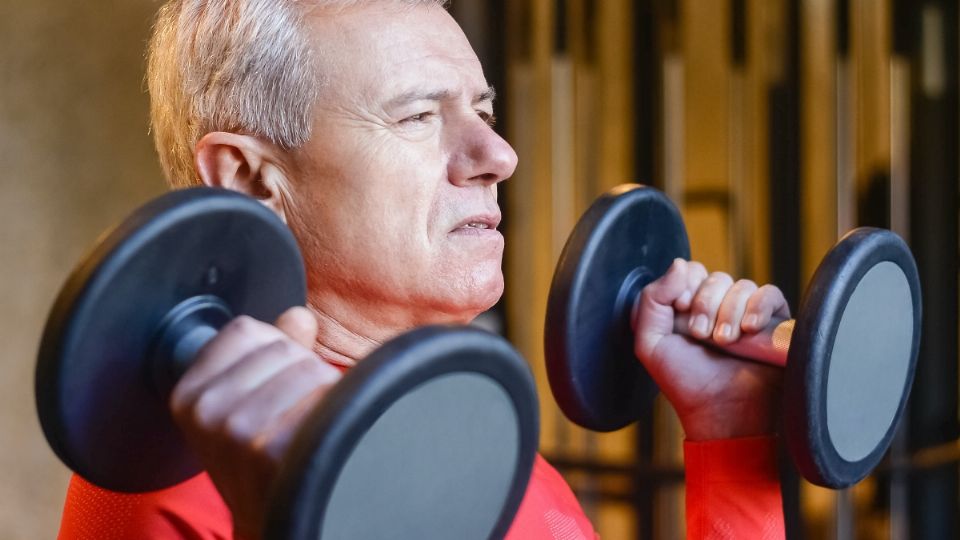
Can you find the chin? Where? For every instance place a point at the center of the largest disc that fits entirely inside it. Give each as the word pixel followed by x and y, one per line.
pixel 490 295
pixel 472 297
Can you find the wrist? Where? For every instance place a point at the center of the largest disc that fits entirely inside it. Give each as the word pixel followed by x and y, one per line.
pixel 725 424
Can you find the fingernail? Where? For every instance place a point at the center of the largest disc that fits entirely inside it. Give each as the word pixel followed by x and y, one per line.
pixel 684 299
pixel 700 324
pixel 725 330
pixel 750 320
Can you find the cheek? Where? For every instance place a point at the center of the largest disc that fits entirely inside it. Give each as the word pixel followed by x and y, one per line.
pixel 367 239
pixel 377 206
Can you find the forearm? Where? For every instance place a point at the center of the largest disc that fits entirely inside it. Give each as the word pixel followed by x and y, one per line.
pixel 733 489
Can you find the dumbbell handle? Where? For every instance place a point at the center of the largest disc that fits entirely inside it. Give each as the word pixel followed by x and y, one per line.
pixel 769 345
pixel 182 333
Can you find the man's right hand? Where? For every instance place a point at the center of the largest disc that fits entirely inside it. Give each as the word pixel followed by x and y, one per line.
pixel 243 400
pixel 716 396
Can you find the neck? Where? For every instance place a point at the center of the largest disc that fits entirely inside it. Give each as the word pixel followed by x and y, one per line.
pixel 339 344
pixel 347 334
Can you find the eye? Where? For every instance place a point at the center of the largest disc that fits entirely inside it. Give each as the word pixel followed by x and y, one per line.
pixel 418 118
pixel 487 117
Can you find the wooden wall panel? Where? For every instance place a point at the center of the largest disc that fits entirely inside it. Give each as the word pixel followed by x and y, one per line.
pixel 570 121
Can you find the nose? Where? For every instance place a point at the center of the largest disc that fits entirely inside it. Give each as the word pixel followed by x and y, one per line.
pixel 479 155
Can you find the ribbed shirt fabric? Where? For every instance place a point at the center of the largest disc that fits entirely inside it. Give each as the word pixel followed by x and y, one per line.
pixel 732 492
pixel 733 489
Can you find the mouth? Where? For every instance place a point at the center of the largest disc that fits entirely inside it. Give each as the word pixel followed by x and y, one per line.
pixel 478 223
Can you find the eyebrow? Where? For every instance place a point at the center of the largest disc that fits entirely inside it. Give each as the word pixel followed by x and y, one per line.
pixel 439 95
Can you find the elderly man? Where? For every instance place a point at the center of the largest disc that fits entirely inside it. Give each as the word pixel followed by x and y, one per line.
pixel 366 126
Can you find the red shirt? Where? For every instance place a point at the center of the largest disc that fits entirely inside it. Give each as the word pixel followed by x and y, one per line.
pixel 732 492
pixel 733 489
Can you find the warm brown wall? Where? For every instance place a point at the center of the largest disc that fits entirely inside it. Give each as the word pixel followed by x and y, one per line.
pixel 75 157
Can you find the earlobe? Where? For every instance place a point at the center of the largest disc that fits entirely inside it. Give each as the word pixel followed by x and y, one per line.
pixel 242 163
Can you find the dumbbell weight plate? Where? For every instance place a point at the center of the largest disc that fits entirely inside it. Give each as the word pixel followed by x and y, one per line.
pixel 100 405
pixel 852 357
pixel 627 238
pixel 432 436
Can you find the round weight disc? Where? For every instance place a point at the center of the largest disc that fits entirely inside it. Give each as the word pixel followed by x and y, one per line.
pixel 99 406
pixel 852 357
pixel 626 239
pixel 432 436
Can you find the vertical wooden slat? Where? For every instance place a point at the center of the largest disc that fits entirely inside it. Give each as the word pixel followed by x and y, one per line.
pixel 614 62
pixel 705 40
pixel 529 249
pixel 738 149
pixel 673 100
pixel 570 111
pixel 761 26
pixel 825 108
pixel 819 135
pixel 871 45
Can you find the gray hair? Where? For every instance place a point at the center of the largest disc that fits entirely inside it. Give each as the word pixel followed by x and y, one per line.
pixel 244 66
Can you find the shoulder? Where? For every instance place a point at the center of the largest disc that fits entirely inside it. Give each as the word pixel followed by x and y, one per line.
pixel 191 509
pixel 549 508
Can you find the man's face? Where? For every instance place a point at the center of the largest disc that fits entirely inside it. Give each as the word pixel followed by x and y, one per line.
pixel 395 197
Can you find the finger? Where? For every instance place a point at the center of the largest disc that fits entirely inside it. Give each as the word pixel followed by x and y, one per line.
pixel 262 411
pixel 732 309
pixel 235 340
pixel 763 304
pixel 217 395
pixel 300 324
pixel 696 274
pixel 706 304
pixel 286 425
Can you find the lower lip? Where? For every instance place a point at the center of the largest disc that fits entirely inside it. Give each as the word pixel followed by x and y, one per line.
pixel 475 232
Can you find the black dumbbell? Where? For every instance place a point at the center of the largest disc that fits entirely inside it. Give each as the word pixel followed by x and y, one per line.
pixel 850 355
pixel 387 452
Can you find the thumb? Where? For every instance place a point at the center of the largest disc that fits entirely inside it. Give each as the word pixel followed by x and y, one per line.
pixel 300 325
pixel 661 293
pixel 653 314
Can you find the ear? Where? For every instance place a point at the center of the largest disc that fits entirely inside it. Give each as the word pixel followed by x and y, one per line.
pixel 242 163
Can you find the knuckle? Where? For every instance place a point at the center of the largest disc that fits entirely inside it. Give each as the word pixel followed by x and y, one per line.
pixel 720 278
pixel 697 267
pixel 205 409
pixel 179 401
pixel 744 285
pixel 701 304
pixel 240 324
pixel 281 347
pixel 315 371
pixel 770 291
pixel 238 427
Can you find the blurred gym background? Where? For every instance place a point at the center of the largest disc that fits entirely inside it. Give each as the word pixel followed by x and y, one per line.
pixel 776 125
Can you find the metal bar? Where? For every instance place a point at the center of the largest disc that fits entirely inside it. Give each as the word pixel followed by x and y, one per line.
pixel 768 346
pixel 899 500
pixel 785 173
pixel 648 96
pixel 571 463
